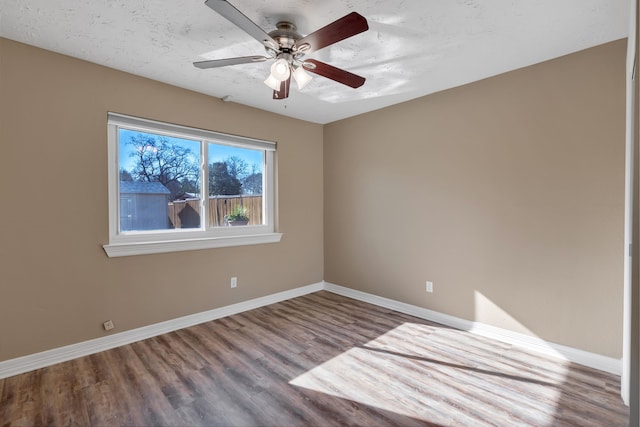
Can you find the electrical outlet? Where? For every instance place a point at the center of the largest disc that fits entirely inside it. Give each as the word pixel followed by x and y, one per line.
pixel 108 325
pixel 234 282
pixel 429 286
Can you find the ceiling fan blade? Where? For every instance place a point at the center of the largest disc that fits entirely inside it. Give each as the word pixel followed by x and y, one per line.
pixel 343 28
pixel 337 74
pixel 236 17
pixel 229 61
pixel 284 89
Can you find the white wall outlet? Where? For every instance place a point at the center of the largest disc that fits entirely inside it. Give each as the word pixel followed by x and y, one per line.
pixel 234 282
pixel 108 325
pixel 429 286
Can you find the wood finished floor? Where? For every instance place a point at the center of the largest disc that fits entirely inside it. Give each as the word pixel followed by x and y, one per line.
pixel 317 360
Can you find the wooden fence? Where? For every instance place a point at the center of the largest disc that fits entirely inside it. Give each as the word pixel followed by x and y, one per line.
pixel 186 213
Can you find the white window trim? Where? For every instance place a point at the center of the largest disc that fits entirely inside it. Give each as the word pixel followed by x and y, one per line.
pixel 161 241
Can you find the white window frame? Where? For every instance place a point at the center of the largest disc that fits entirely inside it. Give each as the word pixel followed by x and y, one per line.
pixel 159 241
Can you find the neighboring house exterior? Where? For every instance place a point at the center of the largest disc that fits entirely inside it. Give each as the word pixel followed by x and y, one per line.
pixel 144 206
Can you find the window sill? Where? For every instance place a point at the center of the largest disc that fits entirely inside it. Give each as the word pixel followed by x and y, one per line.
pixel 145 248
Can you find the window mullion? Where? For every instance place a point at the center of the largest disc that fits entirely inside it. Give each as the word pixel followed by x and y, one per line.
pixel 268 190
pixel 204 187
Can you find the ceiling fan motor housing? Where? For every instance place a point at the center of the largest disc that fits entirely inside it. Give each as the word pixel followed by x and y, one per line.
pixel 286 35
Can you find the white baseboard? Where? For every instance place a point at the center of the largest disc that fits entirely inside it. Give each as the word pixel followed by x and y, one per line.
pixel 592 360
pixel 35 361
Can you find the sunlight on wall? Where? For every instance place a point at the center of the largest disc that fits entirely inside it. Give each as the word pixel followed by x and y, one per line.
pixel 492 320
pixel 491 314
pixel 429 372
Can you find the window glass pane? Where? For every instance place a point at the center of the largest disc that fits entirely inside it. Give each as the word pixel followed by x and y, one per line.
pixel 159 181
pixel 235 186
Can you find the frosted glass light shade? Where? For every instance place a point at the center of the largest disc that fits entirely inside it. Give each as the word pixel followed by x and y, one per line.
pixel 280 70
pixel 301 77
pixel 272 82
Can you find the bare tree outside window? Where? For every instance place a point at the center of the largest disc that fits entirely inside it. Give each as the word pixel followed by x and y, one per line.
pixel 170 162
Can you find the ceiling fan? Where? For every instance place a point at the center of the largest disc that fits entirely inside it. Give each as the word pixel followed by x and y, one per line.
pixel 288 48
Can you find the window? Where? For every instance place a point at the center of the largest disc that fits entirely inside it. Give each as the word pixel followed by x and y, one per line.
pixel 175 188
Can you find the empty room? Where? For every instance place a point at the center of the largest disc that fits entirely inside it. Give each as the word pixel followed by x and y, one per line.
pixel 252 213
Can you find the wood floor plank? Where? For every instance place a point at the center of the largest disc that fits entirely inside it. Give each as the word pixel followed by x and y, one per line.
pixel 317 360
pixel 62 401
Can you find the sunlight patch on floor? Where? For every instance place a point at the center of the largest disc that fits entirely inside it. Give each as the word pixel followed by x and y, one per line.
pixel 440 375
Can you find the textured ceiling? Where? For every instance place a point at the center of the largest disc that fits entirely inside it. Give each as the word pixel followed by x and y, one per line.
pixel 413 47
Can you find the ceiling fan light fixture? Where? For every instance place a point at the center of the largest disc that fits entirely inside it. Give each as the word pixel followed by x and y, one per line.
pixel 301 77
pixel 272 82
pixel 280 70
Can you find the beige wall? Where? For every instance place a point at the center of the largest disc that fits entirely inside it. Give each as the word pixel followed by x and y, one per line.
pixel 507 193
pixel 57 285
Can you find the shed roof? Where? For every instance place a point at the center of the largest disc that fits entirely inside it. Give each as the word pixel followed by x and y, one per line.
pixel 128 187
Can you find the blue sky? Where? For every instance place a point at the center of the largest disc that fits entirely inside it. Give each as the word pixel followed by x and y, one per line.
pixel 217 153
